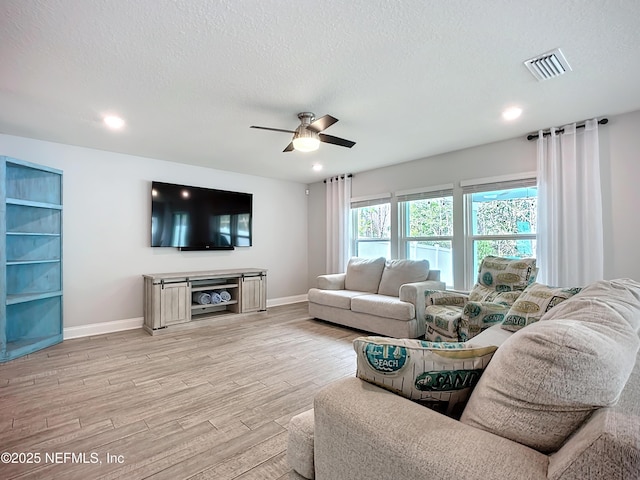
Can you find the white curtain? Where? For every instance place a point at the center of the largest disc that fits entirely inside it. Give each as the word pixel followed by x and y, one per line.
pixel 338 195
pixel 570 230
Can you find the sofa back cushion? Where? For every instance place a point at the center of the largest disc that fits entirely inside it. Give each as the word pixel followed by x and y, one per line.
pixel 363 274
pixel 548 378
pixel 398 272
pixel 506 274
pixel 439 375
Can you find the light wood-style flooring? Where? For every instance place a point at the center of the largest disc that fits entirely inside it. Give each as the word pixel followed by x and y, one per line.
pixel 206 403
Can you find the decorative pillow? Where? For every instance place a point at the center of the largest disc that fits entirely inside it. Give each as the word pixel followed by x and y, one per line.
pixel 535 301
pixel 363 274
pixel 478 316
pixel 548 378
pixel 398 272
pixel 438 375
pixel 504 274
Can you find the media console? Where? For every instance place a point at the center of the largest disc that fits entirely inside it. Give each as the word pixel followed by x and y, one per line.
pixel 169 304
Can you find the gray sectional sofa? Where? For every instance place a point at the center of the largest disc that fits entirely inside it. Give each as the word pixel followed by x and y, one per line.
pixel 376 295
pixel 558 401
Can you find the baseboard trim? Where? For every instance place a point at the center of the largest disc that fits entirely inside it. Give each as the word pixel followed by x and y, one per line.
pixel 102 327
pixel 275 302
pixel 133 323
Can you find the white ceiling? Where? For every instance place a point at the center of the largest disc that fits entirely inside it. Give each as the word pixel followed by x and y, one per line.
pixel 406 79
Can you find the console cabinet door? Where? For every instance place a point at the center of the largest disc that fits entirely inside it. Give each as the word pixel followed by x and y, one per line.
pixel 175 303
pixel 254 292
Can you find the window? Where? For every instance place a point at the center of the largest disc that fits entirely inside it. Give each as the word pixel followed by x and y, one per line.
pixel 426 229
pixel 372 228
pixel 501 220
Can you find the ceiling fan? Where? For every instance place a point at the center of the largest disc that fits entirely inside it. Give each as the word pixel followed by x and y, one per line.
pixel 307 137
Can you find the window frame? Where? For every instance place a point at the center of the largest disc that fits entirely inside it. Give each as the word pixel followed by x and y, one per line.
pixel 403 201
pixel 363 202
pixel 468 189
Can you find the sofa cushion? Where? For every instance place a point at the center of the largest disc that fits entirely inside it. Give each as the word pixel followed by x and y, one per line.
pixel 333 298
pixel 548 378
pixel 363 274
pixel 383 306
pixel 398 272
pixel 504 274
pixel 438 375
pixel 533 303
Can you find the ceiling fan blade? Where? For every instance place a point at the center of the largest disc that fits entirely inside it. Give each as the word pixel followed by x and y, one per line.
pixel 289 148
pixel 335 140
pixel 322 123
pixel 273 129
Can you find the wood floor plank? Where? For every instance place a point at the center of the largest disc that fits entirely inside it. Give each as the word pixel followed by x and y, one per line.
pixel 245 461
pixel 211 402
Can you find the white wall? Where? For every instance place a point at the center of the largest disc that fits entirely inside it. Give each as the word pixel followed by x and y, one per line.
pixel 106 228
pixel 620 156
pixel 620 166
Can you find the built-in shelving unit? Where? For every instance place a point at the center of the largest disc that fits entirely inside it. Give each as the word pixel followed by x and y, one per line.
pixel 169 297
pixel 30 257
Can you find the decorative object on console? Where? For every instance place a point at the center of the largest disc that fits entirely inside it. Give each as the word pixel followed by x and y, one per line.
pixel 201 298
pixel 439 375
pixel 224 295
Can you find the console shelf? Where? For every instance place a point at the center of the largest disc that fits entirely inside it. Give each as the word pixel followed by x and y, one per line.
pixel 169 297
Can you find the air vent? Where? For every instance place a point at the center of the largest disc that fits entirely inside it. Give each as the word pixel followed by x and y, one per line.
pixel 548 65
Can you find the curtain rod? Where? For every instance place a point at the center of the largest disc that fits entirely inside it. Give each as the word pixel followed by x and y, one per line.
pixel 349 175
pixel 533 136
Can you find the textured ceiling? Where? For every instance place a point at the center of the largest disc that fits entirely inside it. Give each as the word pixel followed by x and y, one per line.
pixel 406 79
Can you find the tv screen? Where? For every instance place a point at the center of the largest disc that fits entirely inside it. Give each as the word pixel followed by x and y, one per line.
pixel 196 218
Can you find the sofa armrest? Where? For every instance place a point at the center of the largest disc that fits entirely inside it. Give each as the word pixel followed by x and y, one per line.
pixel 364 432
pixel 414 293
pixel 445 297
pixel 334 281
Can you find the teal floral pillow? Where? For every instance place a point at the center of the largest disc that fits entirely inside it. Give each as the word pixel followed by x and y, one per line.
pixel 439 375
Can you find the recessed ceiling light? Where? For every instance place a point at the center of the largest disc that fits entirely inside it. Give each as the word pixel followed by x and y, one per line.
pixel 317 167
pixel 114 122
pixel 511 113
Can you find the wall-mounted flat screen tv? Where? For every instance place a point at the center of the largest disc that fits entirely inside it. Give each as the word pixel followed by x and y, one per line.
pixel 196 218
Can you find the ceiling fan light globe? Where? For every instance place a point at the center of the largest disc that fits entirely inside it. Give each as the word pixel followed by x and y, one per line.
pixel 306 144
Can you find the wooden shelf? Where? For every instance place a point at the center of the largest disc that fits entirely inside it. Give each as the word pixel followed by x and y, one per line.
pixel 31 258
pixel 204 288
